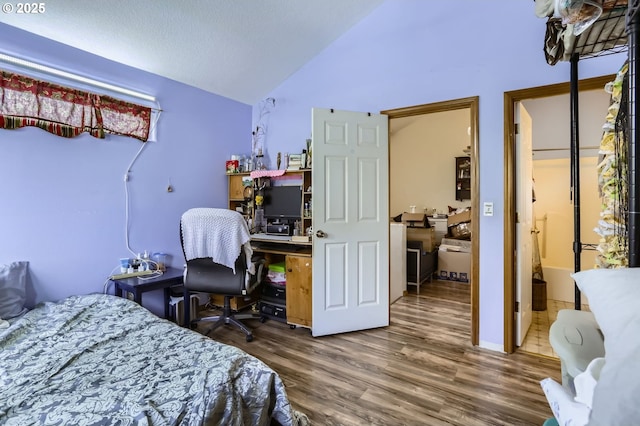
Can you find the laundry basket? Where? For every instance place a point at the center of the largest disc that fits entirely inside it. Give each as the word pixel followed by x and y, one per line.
pixel 539 294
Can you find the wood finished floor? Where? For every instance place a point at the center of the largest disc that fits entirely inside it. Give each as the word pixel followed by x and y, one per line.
pixel 421 370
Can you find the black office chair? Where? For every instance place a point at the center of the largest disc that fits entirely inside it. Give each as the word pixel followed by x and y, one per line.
pixel 216 246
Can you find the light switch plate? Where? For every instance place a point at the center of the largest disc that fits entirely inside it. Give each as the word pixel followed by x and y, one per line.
pixel 488 209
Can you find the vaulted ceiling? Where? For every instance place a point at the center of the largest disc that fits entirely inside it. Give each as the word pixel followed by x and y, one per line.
pixel 240 49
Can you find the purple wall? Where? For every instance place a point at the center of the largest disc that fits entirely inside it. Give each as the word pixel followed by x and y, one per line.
pixel 413 52
pixel 63 200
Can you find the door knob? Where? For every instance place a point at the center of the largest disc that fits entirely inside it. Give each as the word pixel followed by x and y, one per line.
pixel 320 234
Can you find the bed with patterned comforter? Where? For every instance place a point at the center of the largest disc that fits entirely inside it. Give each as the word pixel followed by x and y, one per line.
pixel 100 359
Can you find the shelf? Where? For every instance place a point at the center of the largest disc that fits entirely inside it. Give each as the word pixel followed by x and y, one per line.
pixel 608 35
pixel 463 178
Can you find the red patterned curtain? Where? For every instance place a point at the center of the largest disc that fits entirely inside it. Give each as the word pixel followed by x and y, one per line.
pixel 25 101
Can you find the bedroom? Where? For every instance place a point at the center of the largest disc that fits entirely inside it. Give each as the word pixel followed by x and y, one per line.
pixel 66 196
pixel 81 179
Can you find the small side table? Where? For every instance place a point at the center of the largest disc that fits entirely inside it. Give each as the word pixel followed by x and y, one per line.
pixel 171 277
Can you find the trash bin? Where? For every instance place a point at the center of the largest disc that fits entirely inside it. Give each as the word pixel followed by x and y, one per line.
pixel 539 293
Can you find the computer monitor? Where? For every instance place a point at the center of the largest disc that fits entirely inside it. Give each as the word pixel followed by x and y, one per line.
pixel 282 203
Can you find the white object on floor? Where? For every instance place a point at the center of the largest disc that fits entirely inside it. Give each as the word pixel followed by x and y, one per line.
pixel 4 324
pixel 565 409
pixel 576 338
pixel 585 383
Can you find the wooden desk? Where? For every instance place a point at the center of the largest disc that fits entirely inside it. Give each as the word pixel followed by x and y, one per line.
pixel 281 244
pixel 298 267
pixel 138 285
pixel 283 249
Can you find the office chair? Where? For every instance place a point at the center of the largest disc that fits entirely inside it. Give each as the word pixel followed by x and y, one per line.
pixel 216 247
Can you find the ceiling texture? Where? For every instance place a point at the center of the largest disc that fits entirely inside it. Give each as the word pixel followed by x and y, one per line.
pixel 239 49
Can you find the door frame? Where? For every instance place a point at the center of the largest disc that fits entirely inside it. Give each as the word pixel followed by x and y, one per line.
pixel 472 103
pixel 510 100
pixel 524 229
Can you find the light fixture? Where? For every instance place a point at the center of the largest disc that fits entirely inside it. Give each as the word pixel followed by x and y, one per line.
pixel 28 65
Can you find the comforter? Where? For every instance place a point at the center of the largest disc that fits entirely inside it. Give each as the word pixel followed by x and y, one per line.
pixel 100 359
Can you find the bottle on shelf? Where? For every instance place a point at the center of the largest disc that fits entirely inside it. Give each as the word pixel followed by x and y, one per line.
pixel 259 160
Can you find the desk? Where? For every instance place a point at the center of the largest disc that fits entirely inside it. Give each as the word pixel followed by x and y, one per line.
pixel 283 249
pixel 137 286
pixel 298 258
pixel 421 264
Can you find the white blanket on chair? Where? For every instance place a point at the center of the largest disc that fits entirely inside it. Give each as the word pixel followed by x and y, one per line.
pixel 216 233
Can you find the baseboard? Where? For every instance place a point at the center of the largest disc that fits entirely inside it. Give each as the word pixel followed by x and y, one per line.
pixel 492 346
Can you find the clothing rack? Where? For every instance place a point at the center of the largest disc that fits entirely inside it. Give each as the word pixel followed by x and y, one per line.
pixel 583 148
pixel 617 29
pixel 633 29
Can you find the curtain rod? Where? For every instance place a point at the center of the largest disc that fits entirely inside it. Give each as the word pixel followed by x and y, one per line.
pixel 22 63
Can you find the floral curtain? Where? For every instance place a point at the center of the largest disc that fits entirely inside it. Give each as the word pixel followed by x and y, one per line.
pixel 66 112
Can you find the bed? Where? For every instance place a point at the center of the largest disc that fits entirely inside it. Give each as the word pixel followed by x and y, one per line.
pixel 100 359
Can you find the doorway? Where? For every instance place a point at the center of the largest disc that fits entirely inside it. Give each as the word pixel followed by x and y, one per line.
pixel 471 105
pixel 531 97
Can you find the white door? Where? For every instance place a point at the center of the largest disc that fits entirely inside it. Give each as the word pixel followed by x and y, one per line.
pixel 350 221
pixel 524 223
pixel 397 261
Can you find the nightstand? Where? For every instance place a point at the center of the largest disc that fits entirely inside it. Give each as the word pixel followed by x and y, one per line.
pixel 138 285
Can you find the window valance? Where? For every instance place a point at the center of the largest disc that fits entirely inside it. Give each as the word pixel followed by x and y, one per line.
pixel 67 112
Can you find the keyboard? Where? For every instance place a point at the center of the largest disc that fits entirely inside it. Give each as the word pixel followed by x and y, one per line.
pixel 268 237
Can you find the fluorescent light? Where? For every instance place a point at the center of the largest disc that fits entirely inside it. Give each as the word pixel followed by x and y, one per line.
pixel 74 77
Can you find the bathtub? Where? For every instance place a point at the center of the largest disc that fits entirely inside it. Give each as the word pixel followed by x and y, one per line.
pixel 560 285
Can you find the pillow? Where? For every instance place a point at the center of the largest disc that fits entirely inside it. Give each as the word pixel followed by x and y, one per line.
pixel 614 299
pixel 13 289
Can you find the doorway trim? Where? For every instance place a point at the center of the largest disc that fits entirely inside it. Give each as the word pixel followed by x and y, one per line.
pixel 472 103
pixel 510 100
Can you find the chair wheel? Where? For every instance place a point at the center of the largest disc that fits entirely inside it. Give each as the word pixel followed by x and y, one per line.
pixel 249 337
pixel 293 327
pixel 263 319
